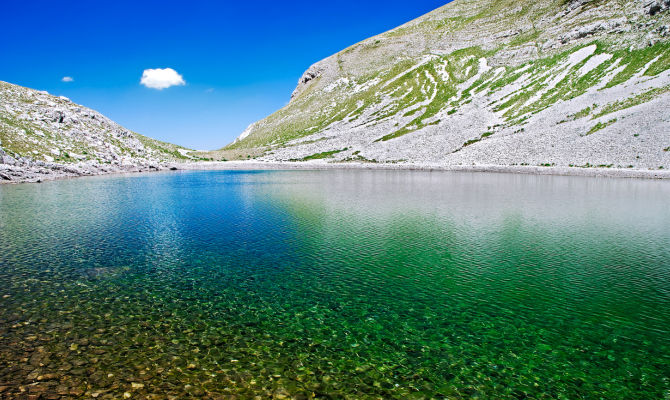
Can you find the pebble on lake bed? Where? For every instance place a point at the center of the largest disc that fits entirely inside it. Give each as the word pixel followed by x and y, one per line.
pixel 442 311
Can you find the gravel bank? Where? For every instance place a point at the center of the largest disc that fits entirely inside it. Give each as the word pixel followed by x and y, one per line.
pixel 13 174
pixel 575 171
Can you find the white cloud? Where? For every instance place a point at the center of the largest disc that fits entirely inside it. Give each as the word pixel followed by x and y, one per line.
pixel 67 79
pixel 161 78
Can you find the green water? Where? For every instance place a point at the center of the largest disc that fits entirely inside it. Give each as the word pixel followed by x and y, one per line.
pixel 335 284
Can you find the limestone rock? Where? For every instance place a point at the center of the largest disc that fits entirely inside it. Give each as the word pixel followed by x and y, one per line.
pixel 657 6
pixel 45 136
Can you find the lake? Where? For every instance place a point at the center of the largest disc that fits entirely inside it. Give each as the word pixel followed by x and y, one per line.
pixel 335 284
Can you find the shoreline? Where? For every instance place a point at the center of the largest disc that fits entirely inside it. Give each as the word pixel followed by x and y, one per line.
pixel 254 165
pixel 525 170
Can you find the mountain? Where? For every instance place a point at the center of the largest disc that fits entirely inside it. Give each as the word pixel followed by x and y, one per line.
pixel 44 136
pixel 581 83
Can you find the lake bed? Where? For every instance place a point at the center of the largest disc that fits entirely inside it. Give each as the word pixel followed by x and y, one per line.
pixel 336 284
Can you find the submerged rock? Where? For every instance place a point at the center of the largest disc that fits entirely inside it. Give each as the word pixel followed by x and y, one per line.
pixel 100 272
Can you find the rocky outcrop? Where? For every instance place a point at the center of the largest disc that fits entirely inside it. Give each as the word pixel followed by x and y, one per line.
pixel 310 75
pixel 44 136
pixel 17 169
pixel 656 6
pixel 592 29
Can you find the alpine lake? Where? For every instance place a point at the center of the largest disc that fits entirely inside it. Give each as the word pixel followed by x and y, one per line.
pixel 342 284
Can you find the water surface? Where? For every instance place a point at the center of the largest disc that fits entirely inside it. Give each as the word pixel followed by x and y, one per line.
pixel 335 284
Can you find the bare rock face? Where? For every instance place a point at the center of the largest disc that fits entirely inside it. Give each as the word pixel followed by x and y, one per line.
pixel 44 135
pixel 657 6
pixel 310 75
pixel 592 29
pixel 5 159
pixel 576 83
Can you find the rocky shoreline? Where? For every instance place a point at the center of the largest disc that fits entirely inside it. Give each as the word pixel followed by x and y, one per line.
pixel 26 171
pixel 510 169
pixel 45 137
pixel 15 169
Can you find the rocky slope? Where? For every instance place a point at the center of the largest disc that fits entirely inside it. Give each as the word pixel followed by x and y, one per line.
pixel 581 83
pixel 44 137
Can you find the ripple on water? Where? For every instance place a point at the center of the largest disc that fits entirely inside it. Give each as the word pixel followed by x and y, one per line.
pixel 342 284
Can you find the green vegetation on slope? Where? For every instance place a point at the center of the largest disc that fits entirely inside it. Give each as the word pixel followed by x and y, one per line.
pixel 511 54
pixel 319 156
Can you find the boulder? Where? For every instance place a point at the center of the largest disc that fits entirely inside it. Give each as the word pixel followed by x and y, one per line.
pixel 71 170
pixel 6 159
pixel 56 116
pixel 656 6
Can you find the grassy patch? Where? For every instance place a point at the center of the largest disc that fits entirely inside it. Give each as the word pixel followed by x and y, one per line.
pixel 632 101
pixel 572 85
pixel 525 38
pixel 584 112
pixel 319 156
pixel 600 126
pixel 476 140
pixel 636 60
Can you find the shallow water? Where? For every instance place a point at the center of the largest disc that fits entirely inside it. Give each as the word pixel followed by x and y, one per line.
pixel 335 284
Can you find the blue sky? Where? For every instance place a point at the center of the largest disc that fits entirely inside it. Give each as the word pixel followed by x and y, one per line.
pixel 240 60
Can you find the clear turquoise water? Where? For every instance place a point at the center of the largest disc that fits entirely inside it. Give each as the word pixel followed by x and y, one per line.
pixel 335 284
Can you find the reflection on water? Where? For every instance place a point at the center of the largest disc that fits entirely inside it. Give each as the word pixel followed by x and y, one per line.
pixel 336 284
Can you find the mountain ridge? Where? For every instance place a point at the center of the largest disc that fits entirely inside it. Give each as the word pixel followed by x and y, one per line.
pixel 43 136
pixel 488 82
